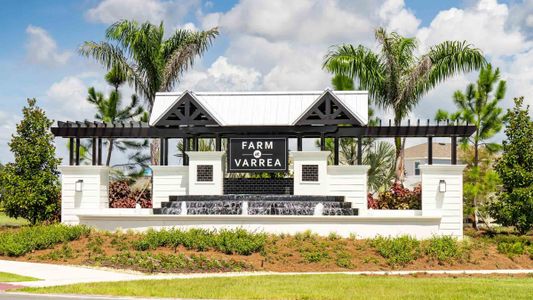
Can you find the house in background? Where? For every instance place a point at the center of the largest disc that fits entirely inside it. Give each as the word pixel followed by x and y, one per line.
pixel 417 155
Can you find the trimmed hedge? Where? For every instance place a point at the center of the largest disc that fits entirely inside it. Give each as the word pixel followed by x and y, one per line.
pixel 238 241
pixel 27 239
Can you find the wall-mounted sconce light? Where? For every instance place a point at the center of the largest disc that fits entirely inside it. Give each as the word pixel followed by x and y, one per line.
pixel 79 185
pixel 442 186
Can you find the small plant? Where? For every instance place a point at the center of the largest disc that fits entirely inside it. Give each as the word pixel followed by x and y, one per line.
pixel 66 252
pixel 444 249
pixel 95 245
pixel 344 260
pixel 397 251
pixel 511 249
pixel 333 236
pixel 315 256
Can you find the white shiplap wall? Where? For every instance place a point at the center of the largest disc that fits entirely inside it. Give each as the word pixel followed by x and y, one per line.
pixel 168 181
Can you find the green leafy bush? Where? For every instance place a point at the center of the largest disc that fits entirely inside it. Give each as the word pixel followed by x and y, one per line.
pixel 238 241
pixel 444 249
pixel 515 168
pixel 397 250
pixel 400 197
pixel 27 239
pixel 148 262
pixel 511 249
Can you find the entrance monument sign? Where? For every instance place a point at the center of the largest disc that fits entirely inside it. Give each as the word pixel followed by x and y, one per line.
pixel 257 155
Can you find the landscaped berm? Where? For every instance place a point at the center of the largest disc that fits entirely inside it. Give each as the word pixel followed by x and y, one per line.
pixel 197 250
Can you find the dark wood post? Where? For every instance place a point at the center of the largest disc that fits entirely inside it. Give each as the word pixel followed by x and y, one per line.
pixel 359 151
pixel 71 151
pixel 166 151
pixel 454 150
pixel 185 148
pixel 322 143
pixel 336 151
pixel 300 143
pixel 430 150
pixel 161 152
pixel 99 151
pixel 94 158
pixel 195 143
pixel 218 143
pixel 77 151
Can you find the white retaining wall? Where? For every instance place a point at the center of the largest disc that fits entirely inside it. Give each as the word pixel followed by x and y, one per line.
pixel 441 212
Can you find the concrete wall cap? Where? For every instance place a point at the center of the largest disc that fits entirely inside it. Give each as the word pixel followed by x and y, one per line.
pixel 197 155
pixel 310 154
pixel 442 169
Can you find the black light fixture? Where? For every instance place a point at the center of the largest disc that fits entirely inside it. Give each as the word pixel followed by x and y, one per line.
pixel 442 186
pixel 79 186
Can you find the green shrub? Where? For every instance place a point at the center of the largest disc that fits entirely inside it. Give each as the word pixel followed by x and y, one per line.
pixel 27 239
pixel 344 260
pixel 397 251
pixel 237 241
pixel 511 249
pixel 66 252
pixel 148 262
pixel 444 249
pixel 530 251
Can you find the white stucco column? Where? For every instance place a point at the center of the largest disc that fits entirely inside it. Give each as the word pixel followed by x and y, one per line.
pixel 168 181
pixel 206 172
pixel 94 194
pixel 310 160
pixel 449 203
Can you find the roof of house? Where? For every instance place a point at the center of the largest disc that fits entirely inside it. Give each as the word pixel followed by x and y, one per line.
pixel 440 150
pixel 261 108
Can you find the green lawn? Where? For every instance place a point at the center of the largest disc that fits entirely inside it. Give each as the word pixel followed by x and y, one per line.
pixel 11 222
pixel 311 287
pixel 8 277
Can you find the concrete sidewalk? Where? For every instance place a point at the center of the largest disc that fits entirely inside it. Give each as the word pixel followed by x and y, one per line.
pixel 52 275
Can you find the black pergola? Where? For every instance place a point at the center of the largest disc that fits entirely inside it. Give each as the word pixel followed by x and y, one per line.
pixel 190 135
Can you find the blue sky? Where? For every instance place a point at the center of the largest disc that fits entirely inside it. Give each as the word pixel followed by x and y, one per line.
pixel 264 45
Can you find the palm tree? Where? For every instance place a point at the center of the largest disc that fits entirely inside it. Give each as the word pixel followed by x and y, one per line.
pixel 478 106
pixel 110 110
pixel 396 78
pixel 149 61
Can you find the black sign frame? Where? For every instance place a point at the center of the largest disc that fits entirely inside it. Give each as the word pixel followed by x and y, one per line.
pixel 285 165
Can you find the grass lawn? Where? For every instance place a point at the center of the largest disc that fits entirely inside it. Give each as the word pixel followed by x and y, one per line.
pixel 11 222
pixel 8 277
pixel 312 287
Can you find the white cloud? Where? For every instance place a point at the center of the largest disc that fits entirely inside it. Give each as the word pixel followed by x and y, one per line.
pixel 41 48
pixel 221 76
pixel 482 25
pixel 172 13
pixel 67 99
pixel 397 18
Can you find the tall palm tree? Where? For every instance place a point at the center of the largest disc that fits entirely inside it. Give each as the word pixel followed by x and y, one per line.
pixel 478 106
pixel 396 78
pixel 150 62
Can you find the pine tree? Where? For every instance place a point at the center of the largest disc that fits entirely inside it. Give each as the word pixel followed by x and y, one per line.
pixel 514 206
pixel 30 185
